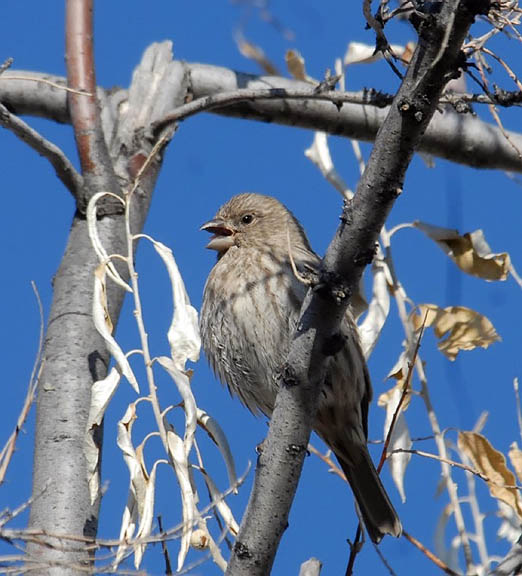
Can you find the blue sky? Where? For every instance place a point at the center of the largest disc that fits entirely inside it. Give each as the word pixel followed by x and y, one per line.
pixel 209 160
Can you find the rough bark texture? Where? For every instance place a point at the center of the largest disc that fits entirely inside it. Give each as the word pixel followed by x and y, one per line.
pixel 75 356
pixel 279 465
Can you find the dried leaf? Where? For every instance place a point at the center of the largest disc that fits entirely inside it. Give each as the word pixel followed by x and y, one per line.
pixel 408 51
pixel 104 326
pixel 137 484
pixel 319 154
pixel 470 252
pixel 296 65
pixel 399 439
pixel 492 464
pixel 464 328
pixel 360 53
pixel 189 402
pixel 147 514
pixel 101 394
pixel 183 334
pixel 214 430
pixel 379 308
pixel 254 52
pixel 96 242
pixel 399 372
pixel 515 457
pixel 220 504
pixel 181 467
pixel 450 556
pixel 509 528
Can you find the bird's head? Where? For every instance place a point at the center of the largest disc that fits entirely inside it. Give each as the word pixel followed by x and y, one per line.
pixel 255 221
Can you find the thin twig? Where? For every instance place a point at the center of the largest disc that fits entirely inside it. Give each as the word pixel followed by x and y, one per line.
pixel 59 161
pixel 158 146
pixel 168 566
pixel 328 460
pixel 479 60
pixel 8 449
pixel 50 83
pixel 384 560
pixel 138 314
pixel 452 463
pixel 405 388
pixel 436 560
pixel 58 540
pixel 400 299
pixel 223 99
pixel 6 64
pixel 355 547
pixel 7 516
pixel 478 516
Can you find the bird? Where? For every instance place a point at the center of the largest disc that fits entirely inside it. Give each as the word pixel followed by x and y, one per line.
pixel 251 304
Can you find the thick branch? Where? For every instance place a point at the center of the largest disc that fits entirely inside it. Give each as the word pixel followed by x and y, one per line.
pixel 279 465
pixel 75 354
pixel 59 161
pixel 460 138
pixel 84 107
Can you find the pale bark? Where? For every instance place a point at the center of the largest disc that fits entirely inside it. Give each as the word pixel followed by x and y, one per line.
pixel 75 355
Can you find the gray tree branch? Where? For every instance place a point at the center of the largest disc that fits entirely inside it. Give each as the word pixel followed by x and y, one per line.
pixel 75 354
pixel 63 167
pixel 460 138
pixel 434 62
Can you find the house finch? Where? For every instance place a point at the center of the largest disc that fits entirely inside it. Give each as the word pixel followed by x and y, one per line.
pixel 251 306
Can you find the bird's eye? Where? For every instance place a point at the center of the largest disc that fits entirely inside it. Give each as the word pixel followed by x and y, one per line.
pixel 247 219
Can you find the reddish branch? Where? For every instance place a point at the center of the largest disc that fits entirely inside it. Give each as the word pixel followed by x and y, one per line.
pixel 83 104
pixel 437 561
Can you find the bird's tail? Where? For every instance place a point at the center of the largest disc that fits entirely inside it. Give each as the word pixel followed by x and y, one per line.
pixel 377 511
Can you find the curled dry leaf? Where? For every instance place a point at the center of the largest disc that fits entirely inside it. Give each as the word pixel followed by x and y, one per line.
pixel 181 467
pixel 319 154
pixel 221 505
pixel 256 53
pixel 216 434
pixel 296 66
pixel 96 242
pixel 450 556
pixel 515 457
pixel 400 373
pixel 183 334
pixel 492 464
pixel 463 328
pixel 101 394
pixel 189 402
pixel 509 528
pixel 103 324
pixel 470 251
pixel 379 308
pixel 399 439
pixel 360 53
pixel 147 514
pixel 138 481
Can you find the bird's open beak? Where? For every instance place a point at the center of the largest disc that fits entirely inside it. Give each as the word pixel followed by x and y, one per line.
pixel 223 235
